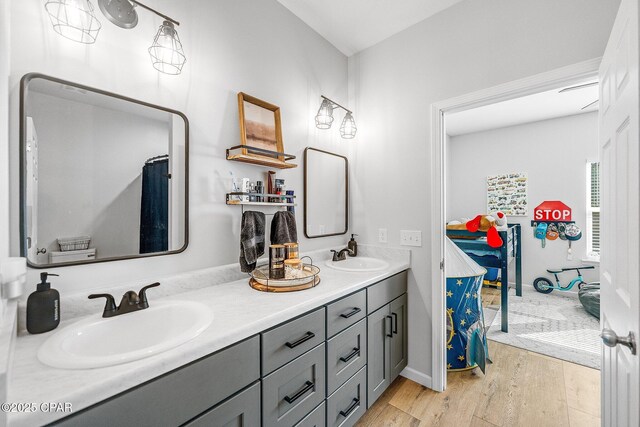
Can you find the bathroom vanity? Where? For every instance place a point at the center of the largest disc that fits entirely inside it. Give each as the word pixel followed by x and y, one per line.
pixel 311 358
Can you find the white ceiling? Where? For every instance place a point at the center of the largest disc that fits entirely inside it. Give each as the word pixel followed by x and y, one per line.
pixel 354 25
pixel 532 108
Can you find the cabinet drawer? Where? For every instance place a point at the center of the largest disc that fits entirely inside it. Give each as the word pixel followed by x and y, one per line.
pixel 294 390
pixel 286 342
pixel 242 410
pixel 178 396
pixel 346 354
pixel 386 291
pixel 348 403
pixel 346 312
pixel 314 419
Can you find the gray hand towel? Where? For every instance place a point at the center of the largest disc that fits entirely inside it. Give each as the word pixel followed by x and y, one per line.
pixel 251 240
pixel 283 228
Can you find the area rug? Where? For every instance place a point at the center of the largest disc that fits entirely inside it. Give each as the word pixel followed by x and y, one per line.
pixel 554 324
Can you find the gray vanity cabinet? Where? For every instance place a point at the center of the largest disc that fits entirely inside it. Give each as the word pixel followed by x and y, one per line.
pixel 315 418
pixel 348 403
pixel 294 390
pixel 242 410
pixel 386 334
pixel 178 396
pixel 323 368
pixel 398 344
pixel 378 367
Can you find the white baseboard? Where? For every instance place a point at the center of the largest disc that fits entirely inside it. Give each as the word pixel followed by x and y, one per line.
pixel 419 377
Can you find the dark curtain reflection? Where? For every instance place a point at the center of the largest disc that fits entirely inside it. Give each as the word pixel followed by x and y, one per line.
pixel 154 215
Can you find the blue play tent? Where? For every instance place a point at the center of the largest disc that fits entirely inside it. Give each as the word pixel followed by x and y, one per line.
pixel 466 339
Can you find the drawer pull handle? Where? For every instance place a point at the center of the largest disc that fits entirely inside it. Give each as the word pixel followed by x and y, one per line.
pixel 354 353
pixel 395 323
pixel 351 408
pixel 389 334
pixel 353 312
pixel 299 341
pixel 307 386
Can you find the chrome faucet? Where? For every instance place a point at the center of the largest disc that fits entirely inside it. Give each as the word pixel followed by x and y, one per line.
pixel 341 255
pixel 130 301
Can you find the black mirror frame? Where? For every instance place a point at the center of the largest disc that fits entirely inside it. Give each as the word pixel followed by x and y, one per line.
pixel 306 194
pixel 23 179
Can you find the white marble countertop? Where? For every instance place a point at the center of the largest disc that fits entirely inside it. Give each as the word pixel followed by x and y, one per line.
pixel 239 312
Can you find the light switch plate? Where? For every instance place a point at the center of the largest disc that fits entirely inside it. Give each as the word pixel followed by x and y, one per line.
pixel 382 235
pixel 411 238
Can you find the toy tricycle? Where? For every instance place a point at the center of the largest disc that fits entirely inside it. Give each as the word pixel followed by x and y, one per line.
pixel 544 285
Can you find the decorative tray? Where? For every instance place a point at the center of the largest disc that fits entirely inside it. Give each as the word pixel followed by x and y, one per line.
pixel 295 280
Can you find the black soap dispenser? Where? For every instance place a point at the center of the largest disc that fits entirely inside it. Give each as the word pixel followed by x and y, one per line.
pixel 43 307
pixel 353 246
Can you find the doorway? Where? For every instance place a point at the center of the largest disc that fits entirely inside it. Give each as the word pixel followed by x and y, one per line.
pixel 566 77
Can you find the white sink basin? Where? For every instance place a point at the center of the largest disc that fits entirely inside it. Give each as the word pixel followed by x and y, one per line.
pixel 359 264
pixel 96 342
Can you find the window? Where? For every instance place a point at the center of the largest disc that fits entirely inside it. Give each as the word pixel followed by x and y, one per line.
pixel 593 210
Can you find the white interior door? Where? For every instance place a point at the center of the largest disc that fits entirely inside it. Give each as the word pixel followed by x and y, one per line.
pixel 620 259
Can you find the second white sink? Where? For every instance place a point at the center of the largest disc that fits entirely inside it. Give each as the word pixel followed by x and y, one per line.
pixel 97 342
pixel 359 264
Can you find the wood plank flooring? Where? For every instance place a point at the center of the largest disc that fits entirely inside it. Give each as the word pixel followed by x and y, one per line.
pixel 521 389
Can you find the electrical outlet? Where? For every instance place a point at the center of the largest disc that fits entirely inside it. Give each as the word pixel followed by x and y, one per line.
pixel 410 238
pixel 382 235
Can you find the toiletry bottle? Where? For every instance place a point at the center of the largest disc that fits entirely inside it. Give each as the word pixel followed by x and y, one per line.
pixel 290 200
pixel 271 176
pixel 43 307
pixel 353 246
pixel 259 190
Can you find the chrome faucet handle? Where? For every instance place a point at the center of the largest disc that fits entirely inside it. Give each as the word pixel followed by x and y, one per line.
pixel 110 307
pixel 143 294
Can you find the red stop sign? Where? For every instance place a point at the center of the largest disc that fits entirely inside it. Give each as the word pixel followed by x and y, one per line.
pixel 552 210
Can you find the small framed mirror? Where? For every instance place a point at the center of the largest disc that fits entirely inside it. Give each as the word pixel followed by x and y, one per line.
pixel 103 177
pixel 326 193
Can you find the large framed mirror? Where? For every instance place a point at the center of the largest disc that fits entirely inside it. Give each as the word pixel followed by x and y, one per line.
pixel 103 177
pixel 326 193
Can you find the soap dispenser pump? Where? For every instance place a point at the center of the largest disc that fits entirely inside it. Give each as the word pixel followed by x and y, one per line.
pixel 43 307
pixel 353 246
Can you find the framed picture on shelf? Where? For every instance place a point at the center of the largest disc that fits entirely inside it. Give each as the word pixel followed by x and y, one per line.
pixel 259 127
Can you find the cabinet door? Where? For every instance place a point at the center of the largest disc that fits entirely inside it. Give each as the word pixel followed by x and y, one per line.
pixel 398 344
pixel 242 410
pixel 378 336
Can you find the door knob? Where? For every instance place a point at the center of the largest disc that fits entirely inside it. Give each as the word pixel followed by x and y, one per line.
pixel 610 339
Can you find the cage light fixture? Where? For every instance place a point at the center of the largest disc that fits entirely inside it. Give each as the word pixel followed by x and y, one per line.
pixel 166 51
pixel 348 127
pixel 76 20
pixel 324 118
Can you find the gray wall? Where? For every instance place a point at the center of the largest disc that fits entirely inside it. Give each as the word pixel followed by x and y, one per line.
pixel 470 46
pixel 553 153
pixel 254 46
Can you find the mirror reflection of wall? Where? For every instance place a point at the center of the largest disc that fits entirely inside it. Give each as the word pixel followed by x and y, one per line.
pixel 107 169
pixel 326 194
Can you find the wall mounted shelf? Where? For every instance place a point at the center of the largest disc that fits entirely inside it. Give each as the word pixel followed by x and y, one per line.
pixel 232 199
pixel 260 156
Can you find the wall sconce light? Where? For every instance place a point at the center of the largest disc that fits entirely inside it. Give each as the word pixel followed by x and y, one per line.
pixel 76 20
pixel 166 51
pixel 324 118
